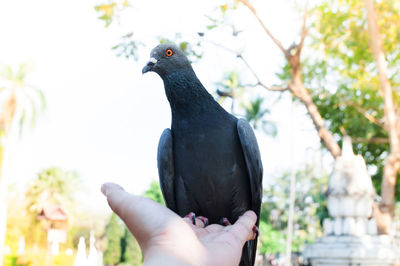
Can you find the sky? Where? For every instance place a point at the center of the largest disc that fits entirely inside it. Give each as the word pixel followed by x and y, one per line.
pixel 103 118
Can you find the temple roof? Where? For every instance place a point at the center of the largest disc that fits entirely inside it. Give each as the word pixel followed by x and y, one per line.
pixel 53 213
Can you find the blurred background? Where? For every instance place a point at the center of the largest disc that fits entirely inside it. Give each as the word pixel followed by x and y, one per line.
pixel 75 112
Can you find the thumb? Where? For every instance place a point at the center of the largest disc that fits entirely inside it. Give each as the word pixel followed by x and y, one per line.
pixel 243 227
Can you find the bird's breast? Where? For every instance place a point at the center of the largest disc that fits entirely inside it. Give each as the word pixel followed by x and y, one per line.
pixel 210 164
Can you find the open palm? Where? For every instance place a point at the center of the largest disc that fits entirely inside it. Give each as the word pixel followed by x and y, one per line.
pixel 167 239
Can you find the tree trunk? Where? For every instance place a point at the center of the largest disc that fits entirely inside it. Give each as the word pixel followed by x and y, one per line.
pixel 3 206
pixel 384 213
pixel 296 86
pixel 6 119
pixel 392 165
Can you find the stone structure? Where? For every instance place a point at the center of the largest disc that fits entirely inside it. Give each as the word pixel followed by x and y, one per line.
pixel 95 258
pixel 351 235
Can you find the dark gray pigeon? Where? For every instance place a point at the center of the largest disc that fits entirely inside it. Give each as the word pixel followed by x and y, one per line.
pixel 208 162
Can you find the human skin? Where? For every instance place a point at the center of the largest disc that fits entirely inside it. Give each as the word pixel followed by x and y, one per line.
pixel 167 239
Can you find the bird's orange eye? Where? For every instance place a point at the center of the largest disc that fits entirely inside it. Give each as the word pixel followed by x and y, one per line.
pixel 169 52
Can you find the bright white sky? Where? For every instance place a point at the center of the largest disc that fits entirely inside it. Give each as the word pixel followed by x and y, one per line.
pixel 103 117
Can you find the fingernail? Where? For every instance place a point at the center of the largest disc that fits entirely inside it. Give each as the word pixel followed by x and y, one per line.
pixel 103 189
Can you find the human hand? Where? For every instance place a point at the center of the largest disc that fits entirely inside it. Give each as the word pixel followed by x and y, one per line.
pixel 167 239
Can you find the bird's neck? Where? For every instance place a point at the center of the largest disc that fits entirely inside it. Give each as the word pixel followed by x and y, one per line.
pixel 185 92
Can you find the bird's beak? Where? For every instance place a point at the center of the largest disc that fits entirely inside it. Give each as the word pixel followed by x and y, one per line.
pixel 149 66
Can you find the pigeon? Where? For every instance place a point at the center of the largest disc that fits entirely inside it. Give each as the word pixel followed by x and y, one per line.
pixel 209 162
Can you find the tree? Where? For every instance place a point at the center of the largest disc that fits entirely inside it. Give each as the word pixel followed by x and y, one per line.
pixel 251 104
pixel 154 193
pixel 339 86
pixel 122 247
pixel 114 233
pixel 392 121
pixel 310 207
pixel 132 254
pixel 52 186
pixel 271 241
pixel 250 108
pixel 345 82
pixel 344 79
pixel 21 103
pixel 16 227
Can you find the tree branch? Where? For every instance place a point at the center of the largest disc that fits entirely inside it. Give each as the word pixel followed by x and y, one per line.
pixel 377 48
pixel 369 117
pixel 304 30
pixel 392 164
pixel 259 82
pixel 277 88
pixel 253 72
pixel 253 10
pixel 376 140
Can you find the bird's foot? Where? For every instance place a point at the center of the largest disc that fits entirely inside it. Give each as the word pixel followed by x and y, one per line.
pixel 204 220
pixel 224 221
pixel 256 230
pixel 192 216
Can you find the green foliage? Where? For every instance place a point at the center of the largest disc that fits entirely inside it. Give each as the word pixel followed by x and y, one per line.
pixel 272 241
pixel 254 114
pixel 30 100
pixel 310 209
pixel 341 75
pixel 38 257
pixel 114 233
pixel 219 17
pixel 250 104
pixel 122 247
pixel 52 186
pixel 10 260
pixel 154 193
pixel 132 254
pixel 128 47
pixel 16 226
pixel 109 11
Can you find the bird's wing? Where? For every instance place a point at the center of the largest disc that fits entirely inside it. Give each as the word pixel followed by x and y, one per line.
pixel 166 172
pixel 252 157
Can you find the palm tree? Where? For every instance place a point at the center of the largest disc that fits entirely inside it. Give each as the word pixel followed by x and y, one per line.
pixel 20 105
pixel 253 109
pixel 53 187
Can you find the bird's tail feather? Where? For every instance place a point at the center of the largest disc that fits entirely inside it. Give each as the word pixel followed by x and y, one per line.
pixel 249 253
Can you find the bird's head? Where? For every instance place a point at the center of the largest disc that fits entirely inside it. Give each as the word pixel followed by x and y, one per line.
pixel 165 59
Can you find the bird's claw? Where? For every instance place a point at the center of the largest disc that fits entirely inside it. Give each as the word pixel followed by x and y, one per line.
pixel 192 216
pixel 224 221
pixel 256 230
pixel 204 220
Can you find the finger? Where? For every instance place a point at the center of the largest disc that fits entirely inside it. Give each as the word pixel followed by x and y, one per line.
pixel 113 193
pixel 243 227
pixel 143 217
